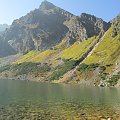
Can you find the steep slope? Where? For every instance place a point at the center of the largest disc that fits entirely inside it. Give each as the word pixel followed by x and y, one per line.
pixel 107 54
pixel 55 58
pixel 5 48
pixel 116 26
pixel 79 49
pixel 38 30
pixel 85 26
pixel 107 51
pixel 43 28
pixel 74 52
pixel 102 66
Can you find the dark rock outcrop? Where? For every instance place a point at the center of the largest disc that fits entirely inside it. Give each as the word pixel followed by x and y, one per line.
pixel 5 48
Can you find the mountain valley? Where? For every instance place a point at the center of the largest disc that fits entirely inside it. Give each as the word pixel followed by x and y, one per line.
pixel 50 44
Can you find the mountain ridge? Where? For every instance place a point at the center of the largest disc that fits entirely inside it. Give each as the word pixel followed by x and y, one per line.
pixel 50 24
pixel 57 46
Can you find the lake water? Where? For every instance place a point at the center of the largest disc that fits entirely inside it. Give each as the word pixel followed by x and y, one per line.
pixel 22 100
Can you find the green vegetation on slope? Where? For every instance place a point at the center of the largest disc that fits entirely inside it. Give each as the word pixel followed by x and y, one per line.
pixel 74 52
pixel 61 59
pixel 107 51
pixel 78 50
pixel 25 68
pixel 62 69
pixel 34 56
pixel 84 67
pixel 114 79
pixel 62 45
pixel 27 57
pixel 84 71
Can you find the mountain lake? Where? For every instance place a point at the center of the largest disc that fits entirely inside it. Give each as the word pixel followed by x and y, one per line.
pixel 24 100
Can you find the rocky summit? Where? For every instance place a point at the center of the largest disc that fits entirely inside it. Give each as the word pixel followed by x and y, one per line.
pixel 38 30
pixel 45 27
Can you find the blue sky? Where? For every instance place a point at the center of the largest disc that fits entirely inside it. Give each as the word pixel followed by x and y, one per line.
pixel 105 9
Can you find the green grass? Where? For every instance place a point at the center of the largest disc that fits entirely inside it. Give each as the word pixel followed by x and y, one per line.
pixel 74 52
pixel 114 79
pixel 36 57
pixel 27 57
pixel 25 68
pixel 62 69
pixel 108 50
pixel 4 68
pixel 84 67
pixel 78 50
pixel 61 45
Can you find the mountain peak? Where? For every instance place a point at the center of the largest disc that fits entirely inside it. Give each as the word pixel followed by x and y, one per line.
pixel 46 5
pixel 85 15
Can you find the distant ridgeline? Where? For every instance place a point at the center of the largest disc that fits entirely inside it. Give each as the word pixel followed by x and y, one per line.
pixel 58 46
pixel 3 27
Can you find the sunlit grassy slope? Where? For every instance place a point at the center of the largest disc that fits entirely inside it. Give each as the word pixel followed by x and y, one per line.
pixel 74 52
pixel 77 50
pixel 107 51
pixel 62 44
pixel 34 56
pixel 27 57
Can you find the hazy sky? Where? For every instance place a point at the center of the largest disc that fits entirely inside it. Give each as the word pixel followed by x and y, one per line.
pixel 13 9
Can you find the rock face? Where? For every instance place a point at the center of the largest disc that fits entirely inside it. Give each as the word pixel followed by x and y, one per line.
pixel 116 26
pixel 5 49
pixel 85 26
pixel 43 28
pixel 40 29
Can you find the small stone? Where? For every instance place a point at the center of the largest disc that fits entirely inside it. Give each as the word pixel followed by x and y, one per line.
pixel 109 119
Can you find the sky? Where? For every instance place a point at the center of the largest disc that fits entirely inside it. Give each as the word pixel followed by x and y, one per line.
pixel 14 9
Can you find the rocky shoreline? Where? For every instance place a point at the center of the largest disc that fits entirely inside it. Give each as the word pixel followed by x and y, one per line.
pixel 57 111
pixel 37 79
